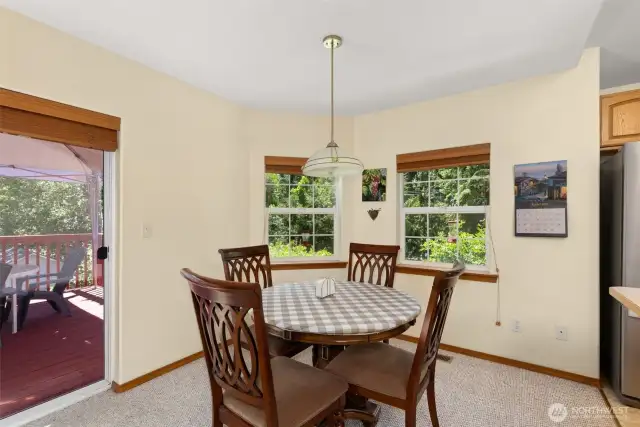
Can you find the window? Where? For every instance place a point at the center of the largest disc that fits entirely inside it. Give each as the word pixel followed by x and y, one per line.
pixel 443 214
pixel 301 215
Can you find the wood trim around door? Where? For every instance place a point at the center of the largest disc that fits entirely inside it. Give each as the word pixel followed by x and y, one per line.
pixel 45 107
pixel 34 117
pixel 595 382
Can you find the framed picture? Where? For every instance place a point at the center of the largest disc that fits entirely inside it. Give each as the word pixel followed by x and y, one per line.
pixel 540 191
pixel 374 185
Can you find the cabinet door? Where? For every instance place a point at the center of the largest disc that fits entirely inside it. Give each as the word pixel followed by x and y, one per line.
pixel 620 118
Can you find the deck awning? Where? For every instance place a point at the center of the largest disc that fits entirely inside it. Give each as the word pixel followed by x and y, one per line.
pixel 23 157
pixel 28 158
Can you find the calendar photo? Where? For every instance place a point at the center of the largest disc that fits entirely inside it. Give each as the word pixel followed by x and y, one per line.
pixel 541 199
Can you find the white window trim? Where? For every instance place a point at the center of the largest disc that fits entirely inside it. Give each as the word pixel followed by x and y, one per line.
pixel 403 211
pixel 337 228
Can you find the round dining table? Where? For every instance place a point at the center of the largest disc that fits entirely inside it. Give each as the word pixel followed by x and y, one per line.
pixel 356 313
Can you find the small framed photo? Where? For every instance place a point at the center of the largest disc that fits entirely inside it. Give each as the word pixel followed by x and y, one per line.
pixel 374 185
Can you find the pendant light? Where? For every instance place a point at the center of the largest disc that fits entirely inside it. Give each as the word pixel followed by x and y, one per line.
pixel 330 161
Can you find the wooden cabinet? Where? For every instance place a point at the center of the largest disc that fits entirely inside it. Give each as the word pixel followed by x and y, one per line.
pixel 620 118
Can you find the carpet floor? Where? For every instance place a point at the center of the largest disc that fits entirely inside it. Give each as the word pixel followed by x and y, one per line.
pixel 469 392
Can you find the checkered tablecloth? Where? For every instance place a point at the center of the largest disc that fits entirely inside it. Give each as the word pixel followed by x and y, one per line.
pixel 355 308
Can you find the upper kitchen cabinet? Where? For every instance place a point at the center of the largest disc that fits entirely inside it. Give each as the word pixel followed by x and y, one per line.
pixel 620 118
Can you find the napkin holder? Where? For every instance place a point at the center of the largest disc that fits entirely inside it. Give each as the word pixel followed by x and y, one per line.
pixel 325 287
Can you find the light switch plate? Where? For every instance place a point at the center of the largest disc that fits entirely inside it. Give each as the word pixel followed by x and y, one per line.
pixel 146 231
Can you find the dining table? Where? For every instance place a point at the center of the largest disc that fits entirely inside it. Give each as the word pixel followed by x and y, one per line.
pixel 355 313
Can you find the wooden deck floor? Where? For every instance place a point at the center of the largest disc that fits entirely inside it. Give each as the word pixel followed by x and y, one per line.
pixel 53 354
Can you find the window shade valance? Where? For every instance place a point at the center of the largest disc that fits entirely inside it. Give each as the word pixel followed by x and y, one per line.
pixel 289 165
pixel 444 158
pixel 27 115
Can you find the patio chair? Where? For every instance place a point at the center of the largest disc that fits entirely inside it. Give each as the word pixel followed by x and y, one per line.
pixel 54 297
pixel 5 270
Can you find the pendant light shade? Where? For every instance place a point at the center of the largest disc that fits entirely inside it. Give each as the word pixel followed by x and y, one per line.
pixel 330 161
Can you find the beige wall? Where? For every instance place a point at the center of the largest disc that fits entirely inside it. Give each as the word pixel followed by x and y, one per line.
pixel 177 145
pixel 544 281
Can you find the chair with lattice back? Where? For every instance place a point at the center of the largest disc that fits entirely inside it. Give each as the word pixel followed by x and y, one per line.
pixel 247 387
pixel 375 264
pixel 395 376
pixel 252 264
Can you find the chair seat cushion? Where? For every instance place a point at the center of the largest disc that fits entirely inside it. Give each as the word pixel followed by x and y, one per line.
pixel 378 367
pixel 301 393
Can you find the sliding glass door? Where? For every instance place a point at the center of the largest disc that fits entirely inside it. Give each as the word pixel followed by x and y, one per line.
pixel 52 282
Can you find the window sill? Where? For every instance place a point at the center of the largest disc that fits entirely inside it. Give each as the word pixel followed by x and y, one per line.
pixel 474 276
pixel 312 265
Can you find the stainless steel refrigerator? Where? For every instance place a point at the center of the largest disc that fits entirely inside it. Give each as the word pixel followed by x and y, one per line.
pixel 620 266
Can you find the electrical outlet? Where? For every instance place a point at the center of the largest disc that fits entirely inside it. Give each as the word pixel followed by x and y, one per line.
pixel 562 333
pixel 516 326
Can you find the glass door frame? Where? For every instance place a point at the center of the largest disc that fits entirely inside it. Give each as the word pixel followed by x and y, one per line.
pixel 110 187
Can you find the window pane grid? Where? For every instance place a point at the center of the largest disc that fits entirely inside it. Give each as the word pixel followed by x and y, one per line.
pixel 435 183
pixel 301 215
pixel 447 222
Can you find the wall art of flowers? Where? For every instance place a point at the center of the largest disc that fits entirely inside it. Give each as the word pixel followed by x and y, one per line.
pixel 374 185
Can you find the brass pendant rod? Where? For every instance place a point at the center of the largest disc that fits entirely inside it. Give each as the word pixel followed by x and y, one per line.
pixel 332 132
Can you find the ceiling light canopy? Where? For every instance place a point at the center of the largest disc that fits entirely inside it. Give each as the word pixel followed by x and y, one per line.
pixel 331 161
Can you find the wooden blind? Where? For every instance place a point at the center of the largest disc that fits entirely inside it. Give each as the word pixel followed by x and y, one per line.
pixel 27 115
pixel 445 158
pixel 289 165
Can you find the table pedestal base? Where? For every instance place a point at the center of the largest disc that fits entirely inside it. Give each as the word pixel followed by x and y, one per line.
pixel 361 408
pixel 357 407
pixel 323 354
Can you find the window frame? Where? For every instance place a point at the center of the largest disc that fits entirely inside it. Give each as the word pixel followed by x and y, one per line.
pixel 337 228
pixel 404 211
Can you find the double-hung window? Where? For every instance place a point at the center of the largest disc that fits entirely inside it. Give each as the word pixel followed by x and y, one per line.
pixel 443 208
pixel 302 215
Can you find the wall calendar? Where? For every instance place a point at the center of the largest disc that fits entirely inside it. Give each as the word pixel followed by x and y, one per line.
pixel 541 199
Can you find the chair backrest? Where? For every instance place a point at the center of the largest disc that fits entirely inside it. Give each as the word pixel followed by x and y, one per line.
pixel 375 264
pixel 222 309
pixel 5 270
pixel 250 264
pixel 434 319
pixel 72 260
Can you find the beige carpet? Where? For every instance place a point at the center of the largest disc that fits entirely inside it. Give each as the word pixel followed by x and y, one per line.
pixel 470 393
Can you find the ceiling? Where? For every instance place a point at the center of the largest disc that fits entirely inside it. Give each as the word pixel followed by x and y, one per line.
pixel 617 31
pixel 269 54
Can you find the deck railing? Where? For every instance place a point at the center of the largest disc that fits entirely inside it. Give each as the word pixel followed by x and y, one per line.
pixel 48 252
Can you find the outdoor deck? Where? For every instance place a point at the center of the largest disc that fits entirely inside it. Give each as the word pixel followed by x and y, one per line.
pixel 53 354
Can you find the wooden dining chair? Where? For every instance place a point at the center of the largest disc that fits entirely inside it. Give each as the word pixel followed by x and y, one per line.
pixel 252 264
pixel 375 264
pixel 247 387
pixel 395 376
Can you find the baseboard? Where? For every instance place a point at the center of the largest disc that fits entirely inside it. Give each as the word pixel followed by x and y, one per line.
pixel 119 388
pixel 595 382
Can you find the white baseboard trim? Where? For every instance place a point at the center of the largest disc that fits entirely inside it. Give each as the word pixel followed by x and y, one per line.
pixel 51 406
